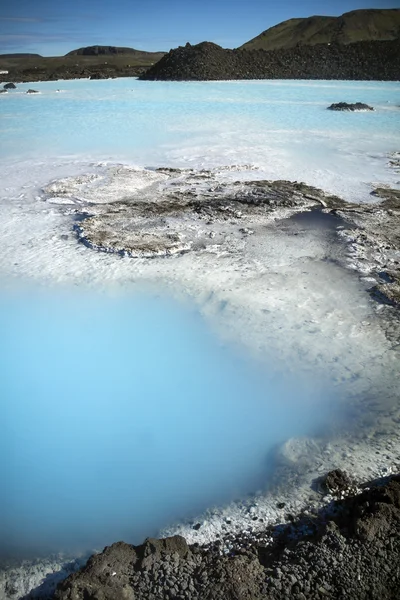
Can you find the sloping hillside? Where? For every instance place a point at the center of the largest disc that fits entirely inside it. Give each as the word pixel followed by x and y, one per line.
pixel 354 26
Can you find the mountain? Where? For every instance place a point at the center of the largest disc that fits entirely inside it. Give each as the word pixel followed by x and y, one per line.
pixel 355 26
pixel 207 61
pixel 20 55
pixel 107 51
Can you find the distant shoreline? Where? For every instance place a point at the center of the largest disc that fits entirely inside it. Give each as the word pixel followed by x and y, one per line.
pixel 360 61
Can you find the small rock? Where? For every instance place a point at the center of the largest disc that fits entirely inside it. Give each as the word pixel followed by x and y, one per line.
pixel 344 106
pixel 336 482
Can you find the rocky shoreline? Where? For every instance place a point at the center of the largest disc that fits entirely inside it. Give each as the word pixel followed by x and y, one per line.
pixel 351 549
pixel 66 72
pixel 378 60
pixel 347 549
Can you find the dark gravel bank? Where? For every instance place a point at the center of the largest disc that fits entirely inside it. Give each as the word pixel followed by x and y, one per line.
pixel 207 61
pixel 352 554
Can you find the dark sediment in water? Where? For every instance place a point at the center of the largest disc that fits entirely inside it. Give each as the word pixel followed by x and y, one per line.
pixel 378 60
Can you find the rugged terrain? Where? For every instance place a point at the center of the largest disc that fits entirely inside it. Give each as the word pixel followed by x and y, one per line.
pixel 365 25
pixel 359 45
pixel 97 62
pixel 212 215
pixel 207 61
pixel 350 550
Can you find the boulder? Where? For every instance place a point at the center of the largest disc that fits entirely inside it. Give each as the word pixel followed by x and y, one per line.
pixel 336 482
pixel 344 106
pixel 32 91
pixel 9 86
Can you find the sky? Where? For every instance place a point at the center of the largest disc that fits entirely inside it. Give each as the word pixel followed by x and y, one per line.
pixel 54 27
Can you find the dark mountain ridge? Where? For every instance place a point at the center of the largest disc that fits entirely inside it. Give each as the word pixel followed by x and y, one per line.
pixel 20 55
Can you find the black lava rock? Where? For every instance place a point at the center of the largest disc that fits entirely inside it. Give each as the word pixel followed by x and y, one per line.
pixel 344 106
pixel 353 553
pixel 336 482
pixel 378 60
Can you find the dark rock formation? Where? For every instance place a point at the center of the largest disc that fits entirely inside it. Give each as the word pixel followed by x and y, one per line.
pixel 207 61
pixel 9 86
pixel 353 553
pixel 336 482
pixel 32 91
pixel 3 91
pixel 98 76
pixel 344 106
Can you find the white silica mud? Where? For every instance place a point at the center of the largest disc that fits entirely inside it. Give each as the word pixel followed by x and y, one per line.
pixel 184 347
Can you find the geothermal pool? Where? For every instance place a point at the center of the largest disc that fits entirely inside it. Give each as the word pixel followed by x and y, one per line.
pixel 121 414
pixel 139 393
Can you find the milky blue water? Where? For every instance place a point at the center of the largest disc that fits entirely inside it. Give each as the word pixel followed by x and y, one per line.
pixel 122 413
pixel 282 127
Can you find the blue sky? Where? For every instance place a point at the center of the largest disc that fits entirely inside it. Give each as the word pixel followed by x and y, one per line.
pixel 54 27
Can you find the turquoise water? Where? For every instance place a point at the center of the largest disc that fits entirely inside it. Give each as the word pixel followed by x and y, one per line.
pixel 282 127
pixel 120 414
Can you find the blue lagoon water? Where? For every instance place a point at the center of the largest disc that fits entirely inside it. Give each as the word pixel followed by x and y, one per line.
pixel 122 410
pixel 122 414
pixel 283 127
